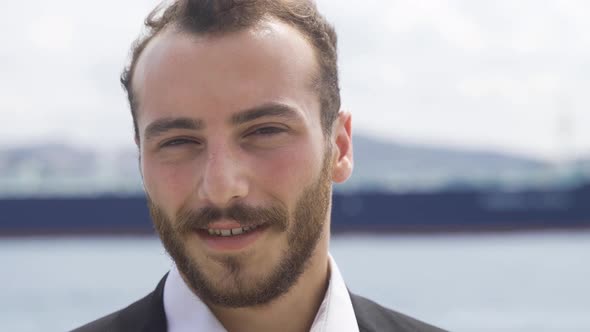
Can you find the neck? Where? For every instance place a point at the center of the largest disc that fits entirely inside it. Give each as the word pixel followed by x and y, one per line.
pixel 298 306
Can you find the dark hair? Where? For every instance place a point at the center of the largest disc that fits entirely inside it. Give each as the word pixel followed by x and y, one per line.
pixel 223 16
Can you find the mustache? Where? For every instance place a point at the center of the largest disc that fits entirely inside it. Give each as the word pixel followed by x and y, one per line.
pixel 189 220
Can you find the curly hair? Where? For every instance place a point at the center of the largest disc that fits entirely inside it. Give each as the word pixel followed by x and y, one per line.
pixel 216 17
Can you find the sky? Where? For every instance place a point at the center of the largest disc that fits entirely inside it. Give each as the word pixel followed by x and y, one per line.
pixel 503 75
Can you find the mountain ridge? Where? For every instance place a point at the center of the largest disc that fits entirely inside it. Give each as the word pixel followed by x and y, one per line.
pixel 60 168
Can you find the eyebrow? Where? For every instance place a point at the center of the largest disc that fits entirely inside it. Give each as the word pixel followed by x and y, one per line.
pixel 161 126
pixel 270 109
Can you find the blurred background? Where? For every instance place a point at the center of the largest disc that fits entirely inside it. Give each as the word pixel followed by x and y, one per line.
pixel 469 207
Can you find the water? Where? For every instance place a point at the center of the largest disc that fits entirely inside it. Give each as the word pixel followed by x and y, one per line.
pixel 503 282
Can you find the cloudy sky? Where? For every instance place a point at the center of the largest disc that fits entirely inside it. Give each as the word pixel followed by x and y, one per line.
pixel 503 75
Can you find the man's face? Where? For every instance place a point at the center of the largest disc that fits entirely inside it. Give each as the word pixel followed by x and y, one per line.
pixel 235 164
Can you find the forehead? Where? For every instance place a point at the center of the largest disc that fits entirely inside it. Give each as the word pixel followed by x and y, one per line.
pixel 270 62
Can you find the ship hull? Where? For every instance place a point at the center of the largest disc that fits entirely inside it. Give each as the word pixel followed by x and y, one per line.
pixel 359 212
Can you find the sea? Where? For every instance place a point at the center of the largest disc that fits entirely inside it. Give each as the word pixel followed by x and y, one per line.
pixel 521 282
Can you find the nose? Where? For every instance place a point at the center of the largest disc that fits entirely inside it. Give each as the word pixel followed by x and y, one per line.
pixel 223 179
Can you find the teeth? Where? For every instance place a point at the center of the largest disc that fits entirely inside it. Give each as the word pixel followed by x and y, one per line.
pixel 230 232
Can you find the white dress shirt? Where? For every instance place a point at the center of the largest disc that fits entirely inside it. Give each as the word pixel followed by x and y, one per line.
pixel 185 312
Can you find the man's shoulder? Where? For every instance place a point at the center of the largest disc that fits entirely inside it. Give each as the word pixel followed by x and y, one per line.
pixel 374 317
pixel 119 320
pixel 106 323
pixel 146 314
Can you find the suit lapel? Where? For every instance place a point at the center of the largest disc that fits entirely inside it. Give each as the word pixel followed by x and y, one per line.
pixel 147 314
pixel 360 313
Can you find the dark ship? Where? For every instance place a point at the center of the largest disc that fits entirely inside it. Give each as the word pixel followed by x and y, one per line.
pixel 451 211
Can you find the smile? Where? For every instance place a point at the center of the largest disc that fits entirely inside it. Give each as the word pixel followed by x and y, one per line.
pixel 231 232
pixel 229 237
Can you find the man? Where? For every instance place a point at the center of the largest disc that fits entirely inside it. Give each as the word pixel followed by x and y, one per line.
pixel 237 118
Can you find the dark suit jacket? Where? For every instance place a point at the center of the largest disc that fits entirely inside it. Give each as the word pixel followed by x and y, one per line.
pixel 147 315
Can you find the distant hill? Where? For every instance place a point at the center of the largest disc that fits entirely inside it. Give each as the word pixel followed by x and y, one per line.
pixel 394 166
pixel 55 169
pixel 61 169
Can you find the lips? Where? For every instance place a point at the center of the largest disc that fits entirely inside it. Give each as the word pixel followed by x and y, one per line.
pixel 220 237
pixel 231 231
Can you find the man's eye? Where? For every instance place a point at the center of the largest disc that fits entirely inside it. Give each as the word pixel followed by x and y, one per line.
pixel 178 142
pixel 267 131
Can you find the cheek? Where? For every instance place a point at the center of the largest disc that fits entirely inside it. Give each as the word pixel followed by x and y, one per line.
pixel 290 170
pixel 167 184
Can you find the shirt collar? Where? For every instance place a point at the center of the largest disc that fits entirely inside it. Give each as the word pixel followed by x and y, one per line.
pixel 186 312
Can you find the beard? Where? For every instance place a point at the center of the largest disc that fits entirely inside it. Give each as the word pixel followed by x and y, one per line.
pixel 304 227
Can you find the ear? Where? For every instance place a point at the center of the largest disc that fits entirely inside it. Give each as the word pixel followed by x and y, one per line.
pixel 342 133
